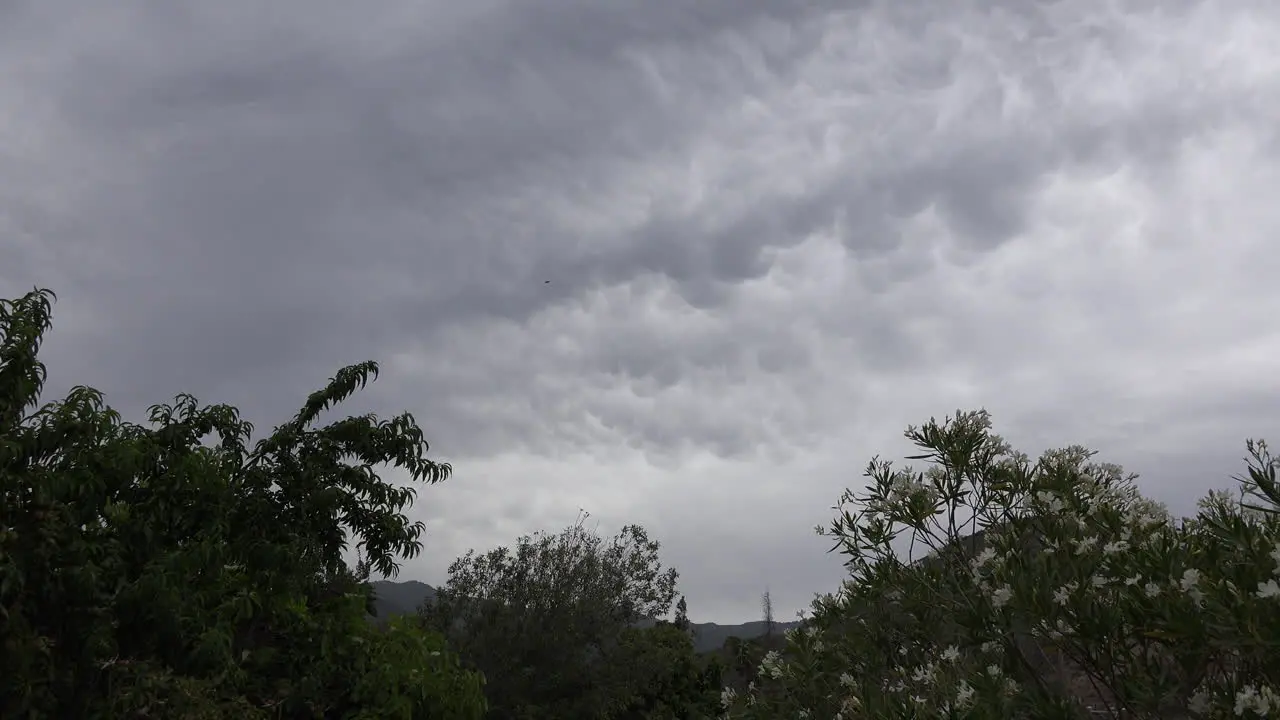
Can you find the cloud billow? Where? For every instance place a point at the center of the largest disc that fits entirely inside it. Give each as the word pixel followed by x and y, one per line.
pixel 775 233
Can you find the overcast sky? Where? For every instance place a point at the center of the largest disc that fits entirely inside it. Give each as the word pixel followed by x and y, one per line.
pixel 776 233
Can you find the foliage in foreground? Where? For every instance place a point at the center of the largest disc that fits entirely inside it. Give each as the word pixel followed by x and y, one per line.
pixel 1075 592
pixel 170 571
pixel 551 626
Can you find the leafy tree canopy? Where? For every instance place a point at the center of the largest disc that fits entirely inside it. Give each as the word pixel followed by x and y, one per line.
pixel 552 626
pixel 172 571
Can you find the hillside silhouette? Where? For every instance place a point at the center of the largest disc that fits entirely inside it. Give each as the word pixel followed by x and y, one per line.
pixel 403 598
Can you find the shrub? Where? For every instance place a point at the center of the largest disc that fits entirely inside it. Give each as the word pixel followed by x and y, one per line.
pixel 1076 591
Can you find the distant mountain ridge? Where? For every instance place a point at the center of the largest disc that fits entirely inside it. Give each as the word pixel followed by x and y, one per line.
pixel 400 598
pixel 403 598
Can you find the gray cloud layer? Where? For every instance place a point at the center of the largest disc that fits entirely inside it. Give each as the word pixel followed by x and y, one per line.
pixel 776 233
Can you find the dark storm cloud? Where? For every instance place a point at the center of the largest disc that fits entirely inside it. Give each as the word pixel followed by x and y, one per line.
pixel 287 191
pixel 776 231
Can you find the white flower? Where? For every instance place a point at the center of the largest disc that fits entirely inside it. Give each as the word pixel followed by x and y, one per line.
pixel 1199 703
pixel 1268 589
pixel 984 557
pixel 1062 594
pixel 951 653
pixel 846 680
pixel 1114 547
pixel 1260 700
pixel 924 674
pixel 1189 578
pixel 1188 584
pixel 771 664
pixel 1084 544
pixel 727 696
pixel 1001 596
pixel 1050 501
pixel 964 694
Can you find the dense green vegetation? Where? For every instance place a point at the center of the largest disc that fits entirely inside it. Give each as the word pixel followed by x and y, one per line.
pixel 1077 597
pixel 553 626
pixel 170 571
pixel 393 598
pixel 175 571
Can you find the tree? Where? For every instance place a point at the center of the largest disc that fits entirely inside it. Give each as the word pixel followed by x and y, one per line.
pixel 545 622
pixel 658 676
pixel 766 607
pixel 145 573
pixel 682 616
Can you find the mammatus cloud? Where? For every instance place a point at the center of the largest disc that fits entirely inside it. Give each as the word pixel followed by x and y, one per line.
pixel 776 234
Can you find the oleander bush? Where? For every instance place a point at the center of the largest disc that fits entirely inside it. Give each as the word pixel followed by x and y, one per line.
pixel 1051 589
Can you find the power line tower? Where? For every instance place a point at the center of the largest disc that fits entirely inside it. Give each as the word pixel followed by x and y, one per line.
pixel 766 607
